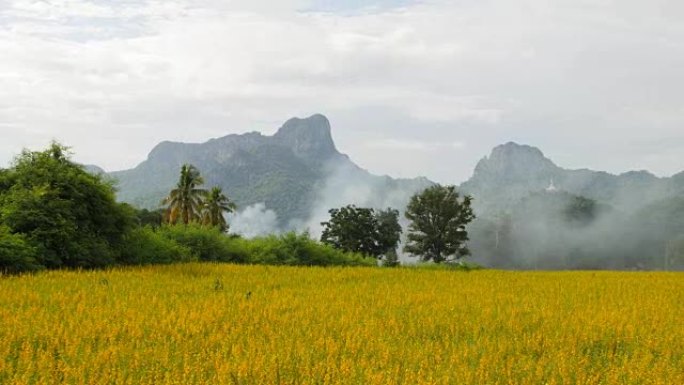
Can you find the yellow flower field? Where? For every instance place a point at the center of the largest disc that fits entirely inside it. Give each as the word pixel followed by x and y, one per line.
pixel 224 324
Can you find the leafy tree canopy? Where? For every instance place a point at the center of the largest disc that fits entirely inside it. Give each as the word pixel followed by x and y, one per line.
pixel 189 203
pixel 438 218
pixel 70 216
pixel 363 230
pixel 215 205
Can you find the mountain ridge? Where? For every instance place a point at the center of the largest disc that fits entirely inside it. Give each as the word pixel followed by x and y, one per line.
pixel 285 171
pixel 298 170
pixel 513 171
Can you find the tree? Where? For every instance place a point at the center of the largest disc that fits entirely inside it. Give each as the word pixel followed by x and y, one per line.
pixel 184 203
pixel 352 229
pixel 438 218
pixel 214 207
pixel 153 218
pixel 16 255
pixel 70 217
pixel 389 234
pixel 362 230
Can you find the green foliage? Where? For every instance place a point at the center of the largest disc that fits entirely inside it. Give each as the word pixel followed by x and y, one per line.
pixel 16 255
pixel 388 232
pixel 438 218
pixel 67 214
pixel 300 249
pixel 460 265
pixel 153 218
pixel 363 230
pixel 188 203
pixel 581 211
pixel 391 259
pixel 214 206
pixel 185 202
pixel 352 229
pixel 207 243
pixel 145 246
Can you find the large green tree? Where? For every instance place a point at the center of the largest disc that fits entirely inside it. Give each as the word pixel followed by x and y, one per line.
pixel 184 203
pixel 215 206
pixel 68 216
pixel 437 231
pixel 362 230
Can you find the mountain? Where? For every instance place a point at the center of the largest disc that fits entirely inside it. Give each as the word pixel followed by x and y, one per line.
pixel 294 172
pixel 513 171
pixel 299 174
pixel 94 169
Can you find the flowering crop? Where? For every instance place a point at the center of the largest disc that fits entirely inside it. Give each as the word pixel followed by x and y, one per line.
pixel 225 324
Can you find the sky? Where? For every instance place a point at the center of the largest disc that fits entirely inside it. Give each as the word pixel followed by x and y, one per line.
pixel 410 87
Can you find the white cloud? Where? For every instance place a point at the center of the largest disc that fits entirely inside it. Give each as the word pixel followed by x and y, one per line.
pixel 565 75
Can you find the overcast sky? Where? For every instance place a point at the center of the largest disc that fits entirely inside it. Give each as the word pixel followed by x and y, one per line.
pixel 411 87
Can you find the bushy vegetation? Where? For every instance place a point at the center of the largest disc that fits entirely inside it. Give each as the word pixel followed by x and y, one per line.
pixel 147 246
pixel 16 254
pixel 363 230
pixel 54 214
pixel 300 250
pixel 182 243
pixel 70 217
pixel 207 244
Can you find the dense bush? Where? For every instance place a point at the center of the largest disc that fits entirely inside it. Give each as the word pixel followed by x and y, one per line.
pixel 70 216
pixel 16 255
pixel 211 245
pixel 145 246
pixel 54 214
pixel 300 249
pixel 207 243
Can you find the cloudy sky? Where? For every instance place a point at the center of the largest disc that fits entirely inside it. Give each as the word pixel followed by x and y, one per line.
pixel 411 87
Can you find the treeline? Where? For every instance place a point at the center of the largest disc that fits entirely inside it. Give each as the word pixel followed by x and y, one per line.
pixel 54 214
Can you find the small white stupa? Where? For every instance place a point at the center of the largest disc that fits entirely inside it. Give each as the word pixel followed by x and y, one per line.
pixel 552 187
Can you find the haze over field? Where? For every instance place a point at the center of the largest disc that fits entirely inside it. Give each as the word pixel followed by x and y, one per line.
pixel 413 87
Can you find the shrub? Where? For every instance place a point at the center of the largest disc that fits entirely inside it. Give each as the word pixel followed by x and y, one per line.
pixel 16 255
pixel 300 249
pixel 207 244
pixel 70 216
pixel 144 246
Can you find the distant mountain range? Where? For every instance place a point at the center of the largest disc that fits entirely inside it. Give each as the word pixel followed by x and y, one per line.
pixel 298 173
pixel 513 171
pixel 289 172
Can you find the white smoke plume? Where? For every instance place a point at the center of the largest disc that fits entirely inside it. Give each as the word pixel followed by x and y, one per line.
pixel 348 184
pixel 255 220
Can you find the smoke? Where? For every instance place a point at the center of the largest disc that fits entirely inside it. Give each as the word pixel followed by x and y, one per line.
pixel 255 220
pixel 347 184
pixel 546 230
pixel 562 231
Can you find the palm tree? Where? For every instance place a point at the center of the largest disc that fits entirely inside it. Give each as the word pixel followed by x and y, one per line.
pixel 186 201
pixel 214 207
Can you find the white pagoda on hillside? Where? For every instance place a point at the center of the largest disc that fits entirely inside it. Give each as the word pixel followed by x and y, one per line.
pixel 552 187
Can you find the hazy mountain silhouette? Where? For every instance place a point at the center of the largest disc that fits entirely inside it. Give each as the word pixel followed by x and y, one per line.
pixel 513 171
pixel 285 171
pixel 299 169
